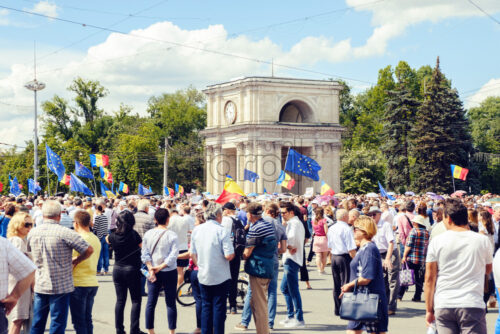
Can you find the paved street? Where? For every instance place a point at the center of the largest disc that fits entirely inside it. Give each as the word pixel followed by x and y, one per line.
pixel 318 312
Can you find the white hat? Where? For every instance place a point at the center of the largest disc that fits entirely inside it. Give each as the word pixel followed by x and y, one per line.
pixel 422 221
pixel 29 204
pixel 390 202
pixel 314 202
pixel 488 204
pixel 324 203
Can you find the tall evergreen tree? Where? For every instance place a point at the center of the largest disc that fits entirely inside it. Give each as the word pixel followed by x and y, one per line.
pixel 440 136
pixel 399 115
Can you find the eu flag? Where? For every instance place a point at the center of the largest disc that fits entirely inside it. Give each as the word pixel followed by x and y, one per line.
pixel 82 171
pixel 250 176
pixel 33 187
pixel 55 163
pixel 77 185
pixel 143 190
pixel 14 187
pixel 302 165
pixel 383 193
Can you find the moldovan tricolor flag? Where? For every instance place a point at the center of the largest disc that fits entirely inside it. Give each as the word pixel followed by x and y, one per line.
pixel 459 172
pixel 123 188
pixel 99 160
pixel 66 179
pixel 326 190
pixel 106 174
pixel 231 191
pixel 285 180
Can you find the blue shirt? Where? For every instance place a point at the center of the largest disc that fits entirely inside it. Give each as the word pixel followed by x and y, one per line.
pixel 368 264
pixel 242 215
pixel 211 243
pixel 4 223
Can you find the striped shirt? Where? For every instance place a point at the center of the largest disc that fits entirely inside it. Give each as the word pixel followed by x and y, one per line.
pixel 258 231
pixel 418 240
pixel 101 225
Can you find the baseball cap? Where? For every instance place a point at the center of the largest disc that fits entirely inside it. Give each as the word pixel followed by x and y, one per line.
pixel 229 206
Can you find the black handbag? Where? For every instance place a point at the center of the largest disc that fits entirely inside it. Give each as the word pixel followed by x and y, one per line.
pixel 359 305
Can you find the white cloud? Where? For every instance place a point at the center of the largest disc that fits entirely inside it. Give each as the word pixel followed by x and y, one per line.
pixel 45 8
pixel 133 69
pixel 4 20
pixel 491 88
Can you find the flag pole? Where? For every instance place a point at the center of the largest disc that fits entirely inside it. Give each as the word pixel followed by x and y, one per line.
pixel 95 186
pixel 48 180
pixel 286 160
pixel 453 180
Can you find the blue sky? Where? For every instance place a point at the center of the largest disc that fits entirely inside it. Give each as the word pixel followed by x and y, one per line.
pixel 350 39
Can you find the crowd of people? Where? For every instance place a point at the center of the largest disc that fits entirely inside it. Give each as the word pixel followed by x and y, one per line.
pixel 52 250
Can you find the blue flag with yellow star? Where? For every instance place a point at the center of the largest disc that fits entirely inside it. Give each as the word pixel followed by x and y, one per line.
pixel 302 165
pixel 55 163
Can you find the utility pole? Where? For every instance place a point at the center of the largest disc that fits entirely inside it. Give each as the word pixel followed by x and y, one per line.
pixel 165 165
pixel 35 86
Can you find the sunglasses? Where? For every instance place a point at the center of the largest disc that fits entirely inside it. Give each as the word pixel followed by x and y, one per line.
pixel 358 229
pixel 28 225
pixel 284 212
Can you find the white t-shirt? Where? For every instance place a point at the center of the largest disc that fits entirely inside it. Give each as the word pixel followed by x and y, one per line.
pixel 496 270
pixel 296 235
pixel 384 236
pixel 227 223
pixel 461 259
pixel 180 226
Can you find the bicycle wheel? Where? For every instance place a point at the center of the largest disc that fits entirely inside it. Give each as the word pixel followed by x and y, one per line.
pixel 185 295
pixel 242 289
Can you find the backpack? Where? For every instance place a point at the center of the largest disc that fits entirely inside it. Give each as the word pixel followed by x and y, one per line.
pixel 239 236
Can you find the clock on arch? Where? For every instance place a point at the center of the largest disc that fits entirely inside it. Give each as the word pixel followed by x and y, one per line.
pixel 230 112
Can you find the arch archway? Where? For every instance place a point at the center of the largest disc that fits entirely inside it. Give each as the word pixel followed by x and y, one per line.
pixel 296 111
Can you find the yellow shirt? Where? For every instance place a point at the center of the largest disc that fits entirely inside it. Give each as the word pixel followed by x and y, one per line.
pixel 84 274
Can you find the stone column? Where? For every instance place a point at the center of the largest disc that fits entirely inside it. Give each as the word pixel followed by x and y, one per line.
pixel 271 166
pixel 250 162
pixel 218 178
pixel 240 160
pixel 259 183
pixel 209 168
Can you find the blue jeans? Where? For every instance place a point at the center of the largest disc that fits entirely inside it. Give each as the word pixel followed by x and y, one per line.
pixel 214 307
pixel 104 256
pixel 164 280
pixel 81 302
pixel 272 292
pixel 195 288
pixel 58 306
pixel 497 325
pixel 290 289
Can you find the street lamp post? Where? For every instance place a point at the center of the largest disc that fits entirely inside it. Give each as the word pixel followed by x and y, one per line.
pixel 35 86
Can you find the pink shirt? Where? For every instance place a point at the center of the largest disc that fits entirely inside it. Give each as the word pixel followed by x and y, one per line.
pixel 319 228
pixel 404 227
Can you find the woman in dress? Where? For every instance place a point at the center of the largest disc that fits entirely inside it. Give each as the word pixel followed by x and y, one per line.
pixel 320 243
pixel 19 226
pixel 127 244
pixel 366 269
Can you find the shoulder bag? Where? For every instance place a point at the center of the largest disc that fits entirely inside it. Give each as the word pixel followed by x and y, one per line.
pixel 359 305
pixel 153 250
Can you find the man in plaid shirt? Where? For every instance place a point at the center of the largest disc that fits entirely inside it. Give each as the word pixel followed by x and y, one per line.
pixel 51 246
pixel 415 253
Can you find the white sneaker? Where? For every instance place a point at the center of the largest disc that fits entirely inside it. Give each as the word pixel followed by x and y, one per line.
pixel 295 324
pixel 286 321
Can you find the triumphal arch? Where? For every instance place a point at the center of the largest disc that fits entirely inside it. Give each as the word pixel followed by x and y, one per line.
pixel 252 122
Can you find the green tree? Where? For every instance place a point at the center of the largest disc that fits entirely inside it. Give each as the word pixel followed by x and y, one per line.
pixel 485 125
pixel 361 169
pixel 399 116
pixel 440 137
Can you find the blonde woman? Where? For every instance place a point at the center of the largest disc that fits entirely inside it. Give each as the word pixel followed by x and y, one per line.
pixel 366 270
pixel 19 226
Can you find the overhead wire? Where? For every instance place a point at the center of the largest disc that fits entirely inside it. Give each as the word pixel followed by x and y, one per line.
pixel 222 53
pixel 494 19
